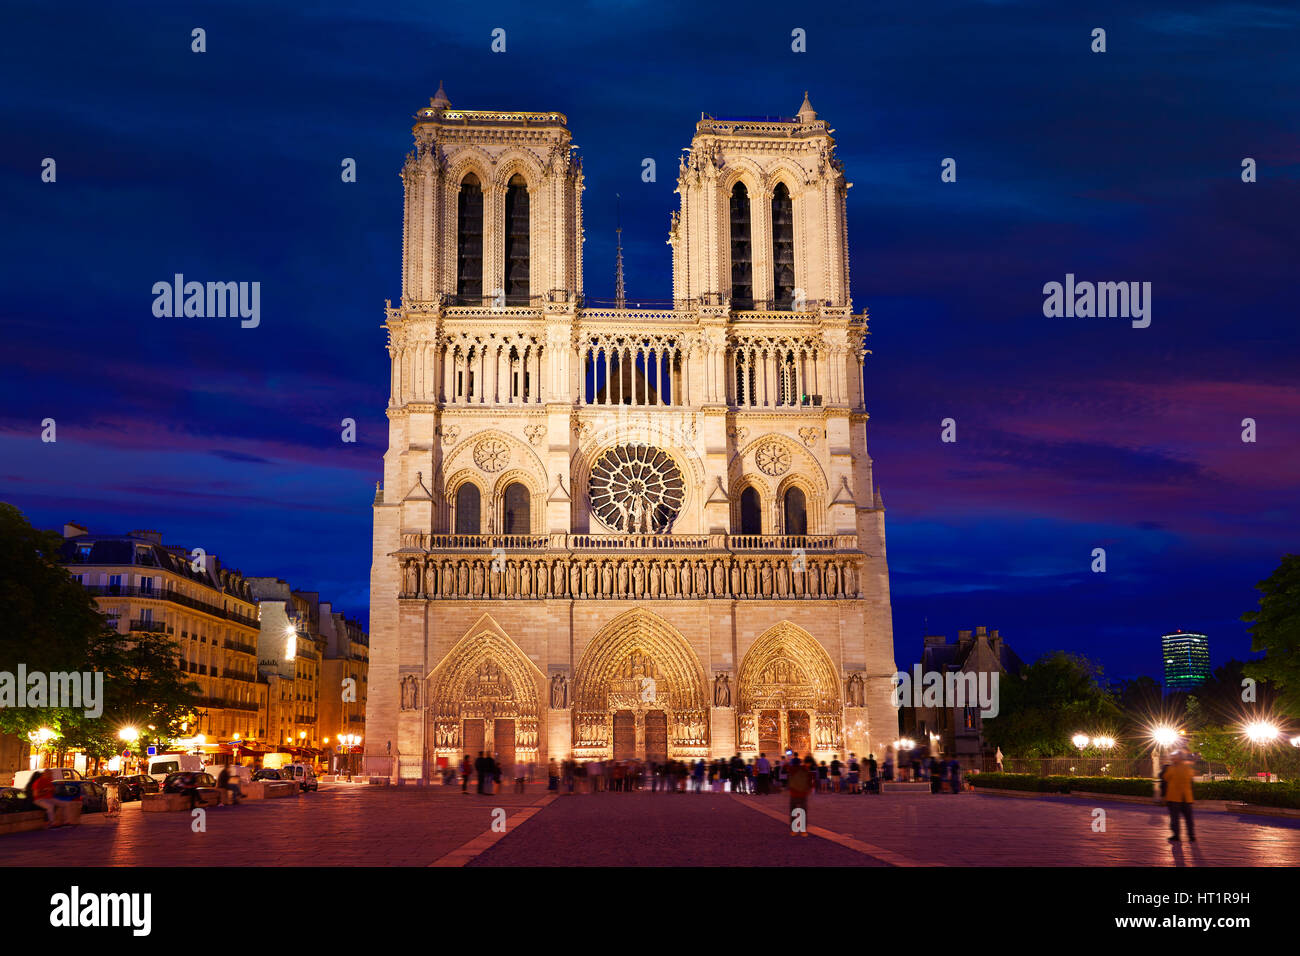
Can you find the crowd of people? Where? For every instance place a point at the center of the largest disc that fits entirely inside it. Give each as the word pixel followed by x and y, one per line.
pixel 759 776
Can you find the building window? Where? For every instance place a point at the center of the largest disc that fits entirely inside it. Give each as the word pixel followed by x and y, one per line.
pixel 788 386
pixel 467 509
pixel 469 239
pixel 782 248
pixel 517 229
pixel 516 516
pixel 115 584
pixel 796 512
pixel 742 258
pixel 751 512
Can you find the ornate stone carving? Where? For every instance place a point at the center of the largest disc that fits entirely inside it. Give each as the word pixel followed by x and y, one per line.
pixel 809 435
pixel 491 454
pixel 773 458
pixel 450 433
pixel 559 692
pixel 722 690
pixel 535 433
pixel 410 692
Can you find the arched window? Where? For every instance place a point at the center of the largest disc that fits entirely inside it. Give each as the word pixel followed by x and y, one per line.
pixel 515 510
pixel 751 512
pixel 468 511
pixel 782 248
pixel 742 256
pixel 796 512
pixel 469 239
pixel 517 241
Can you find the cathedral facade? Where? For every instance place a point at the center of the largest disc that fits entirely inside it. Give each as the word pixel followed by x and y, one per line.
pixel 625 532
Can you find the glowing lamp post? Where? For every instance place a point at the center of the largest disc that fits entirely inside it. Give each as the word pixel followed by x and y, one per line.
pixel 1164 738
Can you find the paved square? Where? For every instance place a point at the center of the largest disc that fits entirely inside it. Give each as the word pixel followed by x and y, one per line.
pixel 359 826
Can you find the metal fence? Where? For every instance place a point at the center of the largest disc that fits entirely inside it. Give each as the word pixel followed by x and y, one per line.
pixel 1090 766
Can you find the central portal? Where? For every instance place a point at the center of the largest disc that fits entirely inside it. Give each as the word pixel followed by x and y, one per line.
pixel 639 694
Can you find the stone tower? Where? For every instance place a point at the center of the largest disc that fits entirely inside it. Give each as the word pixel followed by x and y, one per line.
pixel 627 533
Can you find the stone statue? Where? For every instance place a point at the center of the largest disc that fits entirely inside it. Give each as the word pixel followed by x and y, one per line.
pixel 850 581
pixel 606 580
pixel 686 578
pixel 559 692
pixel 557 579
pixel 670 578
pixel 622 579
pixel 701 580
pixel 722 690
pixel 478 578
pixel 782 579
pixel 719 579
pixel 588 580
pixel 525 579
pixel 749 580
pixel 448 579
pixel 409 692
pixel 638 580
pixel 431 579
pixel 853 690
pixel 767 579
pixel 654 579
pixel 512 579
pixel 463 580
pixel 735 579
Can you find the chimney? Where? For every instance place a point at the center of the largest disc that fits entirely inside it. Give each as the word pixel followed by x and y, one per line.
pixel 73 530
pixel 154 536
pixel 935 640
pixel 963 637
pixel 981 631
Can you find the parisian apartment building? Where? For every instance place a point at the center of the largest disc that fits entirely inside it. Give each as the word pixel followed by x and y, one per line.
pixel 262 653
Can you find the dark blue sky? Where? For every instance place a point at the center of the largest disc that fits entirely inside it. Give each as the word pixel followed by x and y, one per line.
pixel 1072 433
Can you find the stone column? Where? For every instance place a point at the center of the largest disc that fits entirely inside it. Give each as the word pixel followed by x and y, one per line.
pixel 559 733
pixel 722 731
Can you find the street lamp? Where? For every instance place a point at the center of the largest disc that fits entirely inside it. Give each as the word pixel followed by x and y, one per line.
pixel 1262 732
pixel 1105 743
pixel 1164 737
pixel 1080 741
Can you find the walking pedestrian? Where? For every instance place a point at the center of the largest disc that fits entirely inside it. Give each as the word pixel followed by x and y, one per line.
pixel 1178 795
pixel 801 783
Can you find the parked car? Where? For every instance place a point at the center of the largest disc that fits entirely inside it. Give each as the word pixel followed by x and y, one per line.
pixel 203 782
pixel 267 773
pixel 130 786
pixel 303 774
pixel 93 796
pixel 13 800
pixel 56 773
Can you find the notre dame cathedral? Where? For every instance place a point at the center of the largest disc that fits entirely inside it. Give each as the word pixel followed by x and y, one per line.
pixel 625 532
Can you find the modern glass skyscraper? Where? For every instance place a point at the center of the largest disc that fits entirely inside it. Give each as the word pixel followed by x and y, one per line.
pixel 1187 660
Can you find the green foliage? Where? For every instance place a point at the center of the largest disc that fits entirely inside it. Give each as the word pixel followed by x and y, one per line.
pixel 1275 630
pixel 1055 697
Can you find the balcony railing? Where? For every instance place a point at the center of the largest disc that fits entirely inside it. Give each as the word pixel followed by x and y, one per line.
pixel 152 627
pixel 241 647
pixel 413 542
pixel 172 597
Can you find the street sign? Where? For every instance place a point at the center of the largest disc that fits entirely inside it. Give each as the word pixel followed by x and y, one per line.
pixel 126 753
pixel 153 751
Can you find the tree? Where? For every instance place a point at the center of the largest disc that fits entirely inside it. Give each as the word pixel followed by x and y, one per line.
pixel 1275 630
pixel 1054 698
pixel 53 624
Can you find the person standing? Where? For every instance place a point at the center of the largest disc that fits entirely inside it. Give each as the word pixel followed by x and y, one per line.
pixel 1178 795
pixel 466 767
pixel 764 768
pixel 997 760
pixel 42 791
pixel 889 763
pixel 481 769
pixel 801 782
pixel 873 783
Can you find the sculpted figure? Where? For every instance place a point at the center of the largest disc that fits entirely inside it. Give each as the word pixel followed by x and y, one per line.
pixel 813 580
pixel 670 579
pixel 782 579
pixel 448 576
pixel 701 580
pixel 526 579
pixel 735 578
pixel 850 581
pixel 638 580
pixel 686 579
pixel 606 579
pixel 622 579
pixel 589 580
pixel 557 579
pixel 767 579
pixel 478 578
pixel 654 579
pixel 749 580
pixel 719 579
pixel 512 579
pixel 462 581
pixel 832 583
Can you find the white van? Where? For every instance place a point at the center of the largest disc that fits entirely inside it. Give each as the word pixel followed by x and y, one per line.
pixel 302 774
pixel 163 764
pixel 21 777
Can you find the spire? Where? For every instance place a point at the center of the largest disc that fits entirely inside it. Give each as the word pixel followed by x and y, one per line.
pixel 440 100
pixel 806 113
pixel 620 299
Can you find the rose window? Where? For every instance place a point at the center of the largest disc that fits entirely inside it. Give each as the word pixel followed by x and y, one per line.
pixel 773 459
pixel 636 489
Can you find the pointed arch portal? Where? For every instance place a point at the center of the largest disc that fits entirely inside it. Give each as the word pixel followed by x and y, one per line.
pixel 639 693
pixel 789 695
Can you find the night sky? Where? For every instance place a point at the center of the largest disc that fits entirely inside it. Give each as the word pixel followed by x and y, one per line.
pixel 1073 433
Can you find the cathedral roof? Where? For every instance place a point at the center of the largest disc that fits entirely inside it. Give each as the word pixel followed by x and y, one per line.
pixel 440 100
